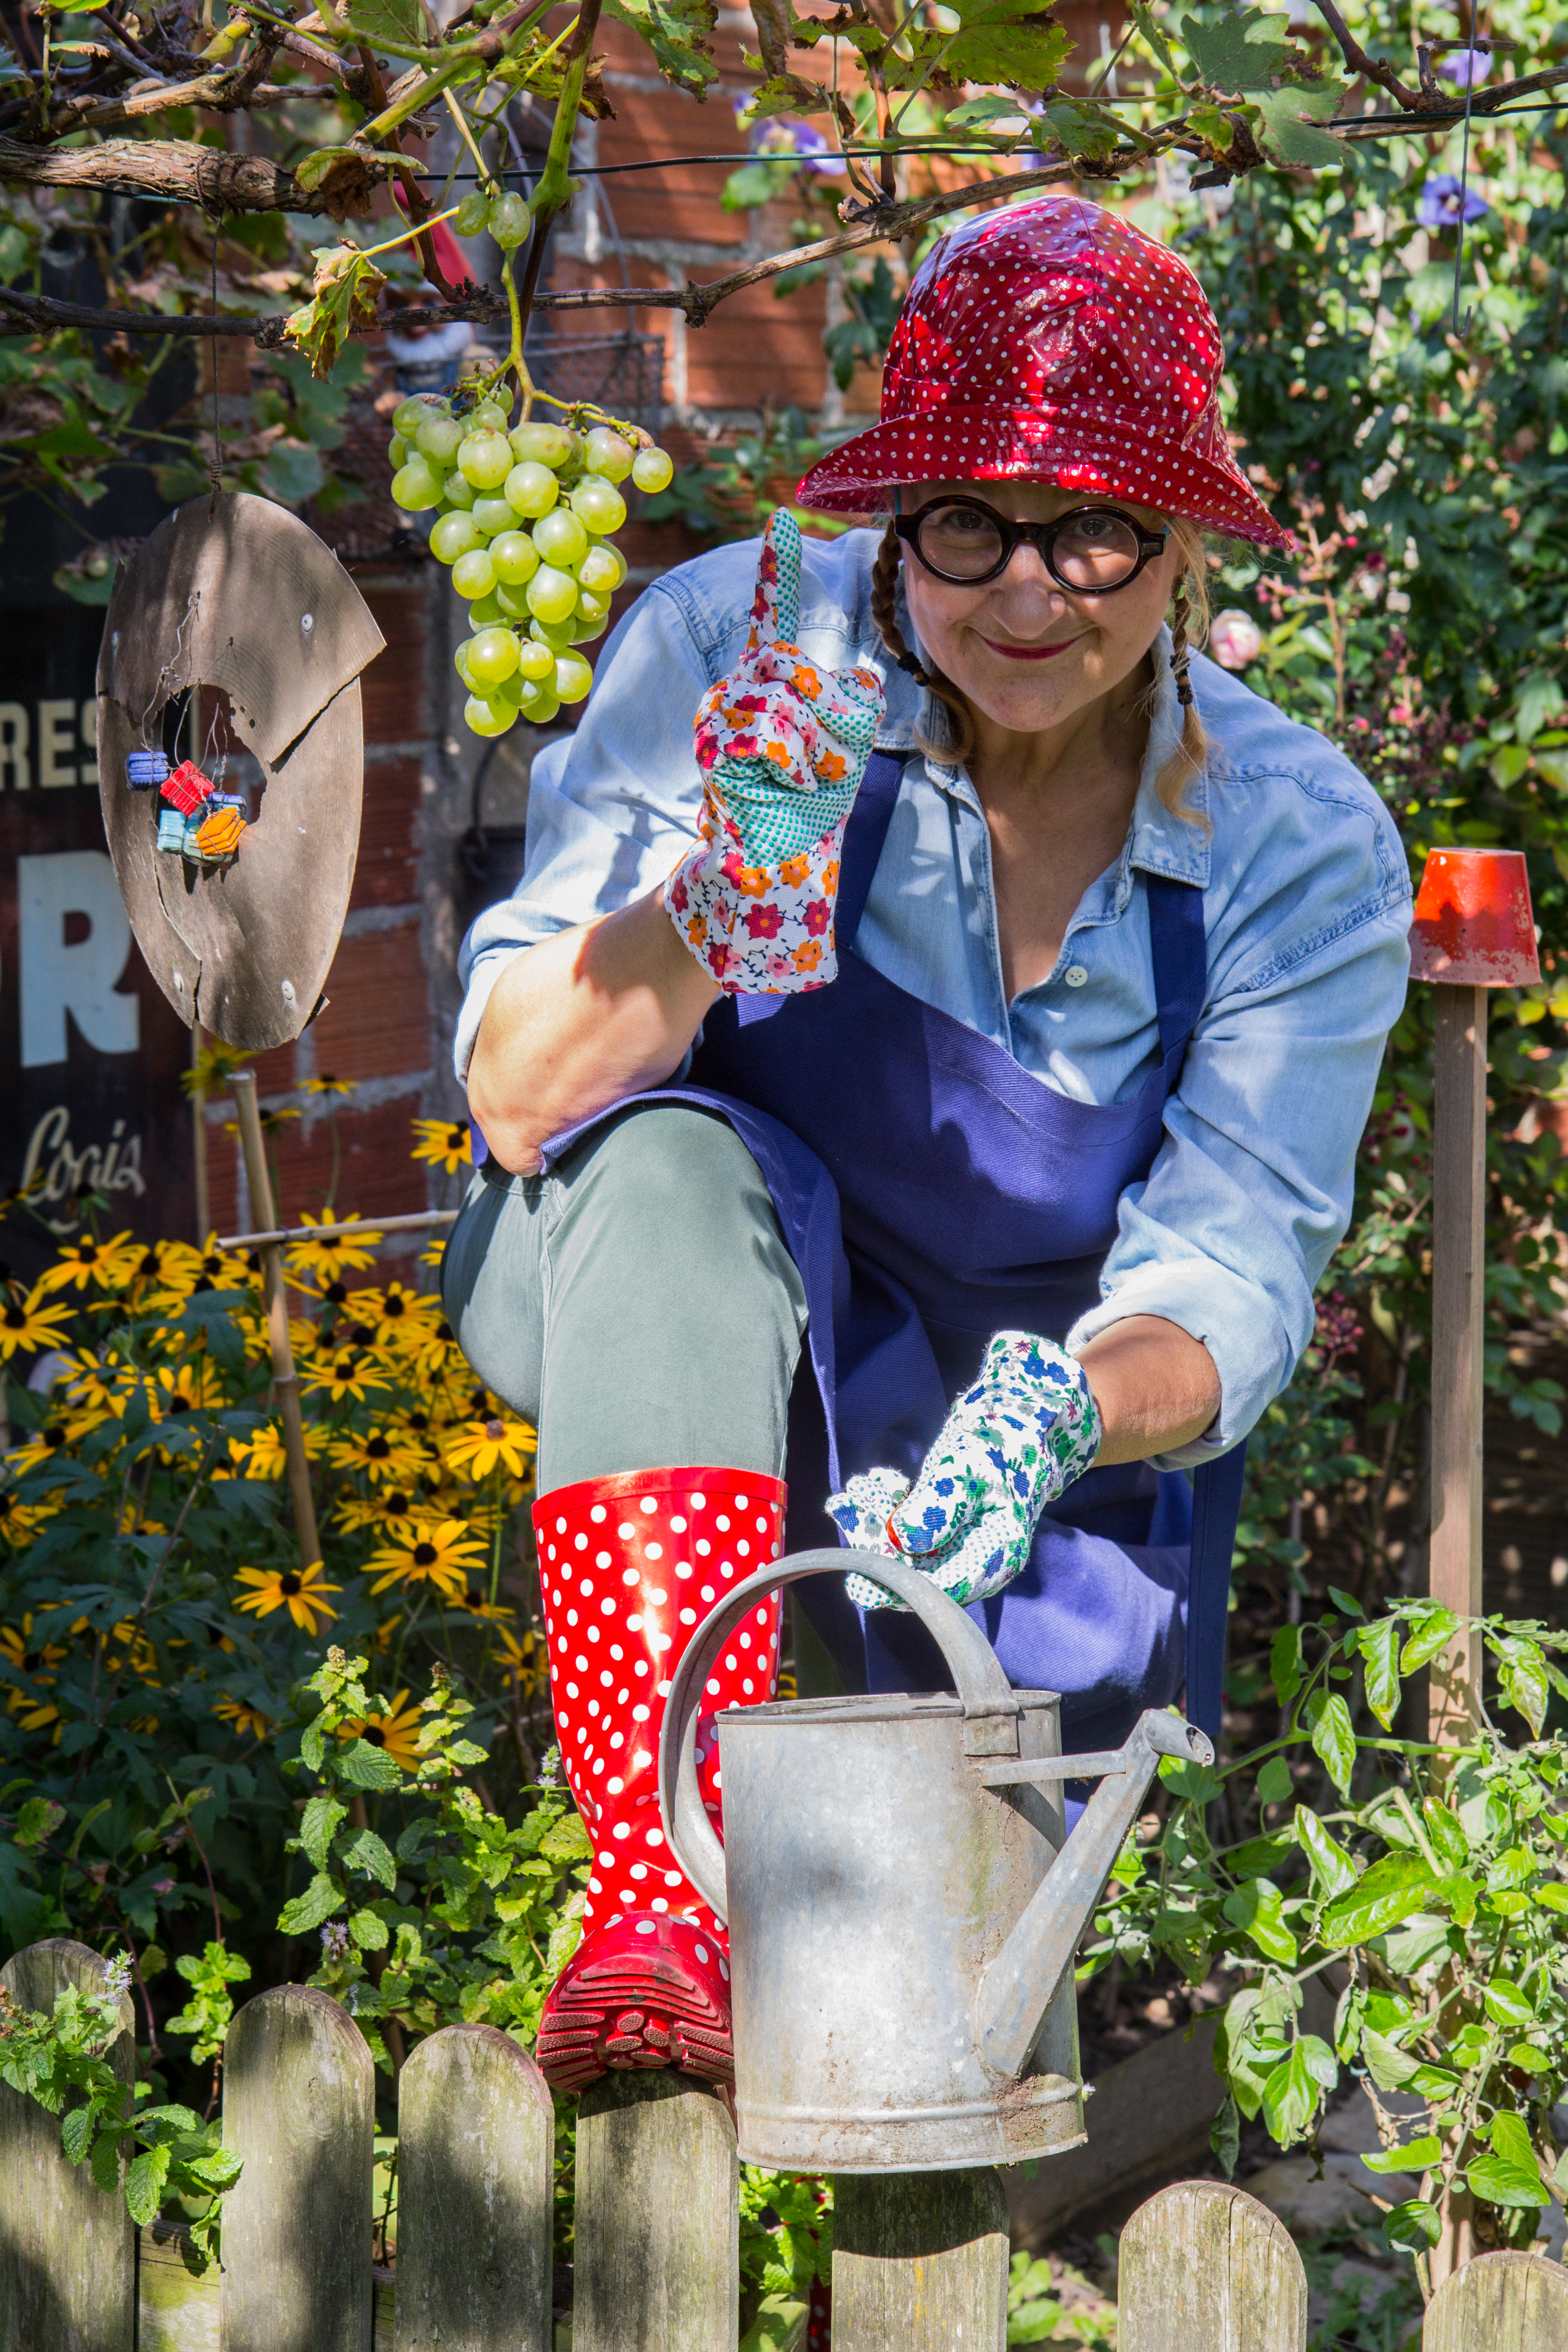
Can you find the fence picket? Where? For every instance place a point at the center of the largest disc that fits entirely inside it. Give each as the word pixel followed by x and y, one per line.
pixel 919 2260
pixel 300 2109
pixel 476 2134
pixel 657 2260
pixel 1500 2303
pixel 67 2252
pixel 1208 2268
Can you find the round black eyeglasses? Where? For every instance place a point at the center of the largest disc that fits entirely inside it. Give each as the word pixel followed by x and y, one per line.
pixel 1090 549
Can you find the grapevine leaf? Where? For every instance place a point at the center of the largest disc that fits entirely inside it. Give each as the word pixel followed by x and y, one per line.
pixel 390 20
pixel 344 294
pixel 1332 1868
pixel 1290 116
pixel 1334 1741
pixel 1240 52
pixel 145 2184
pixel 38 1819
pixel 676 32
pixel 317 1822
pixel 1379 1646
pixel 1392 1890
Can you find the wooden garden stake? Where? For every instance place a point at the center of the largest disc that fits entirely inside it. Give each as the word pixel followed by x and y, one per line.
pixel 285 1379
pixel 1473 930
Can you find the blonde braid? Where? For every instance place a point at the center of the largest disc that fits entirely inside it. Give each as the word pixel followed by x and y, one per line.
pixel 1189 620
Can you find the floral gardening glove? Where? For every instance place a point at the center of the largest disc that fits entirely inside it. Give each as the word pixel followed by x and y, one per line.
pixel 1011 1445
pixel 783 746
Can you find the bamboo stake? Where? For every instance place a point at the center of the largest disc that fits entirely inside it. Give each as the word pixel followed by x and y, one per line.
pixel 199 1138
pixel 364 1229
pixel 285 1379
pixel 1458 1284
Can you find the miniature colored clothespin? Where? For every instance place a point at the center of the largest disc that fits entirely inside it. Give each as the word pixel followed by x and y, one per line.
pixel 218 835
pixel 146 769
pixel 170 830
pixel 187 788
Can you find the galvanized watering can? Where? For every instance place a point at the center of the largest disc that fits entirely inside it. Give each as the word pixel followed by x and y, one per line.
pixel 903 1902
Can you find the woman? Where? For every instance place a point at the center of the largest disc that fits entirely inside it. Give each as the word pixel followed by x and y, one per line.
pixel 985 1022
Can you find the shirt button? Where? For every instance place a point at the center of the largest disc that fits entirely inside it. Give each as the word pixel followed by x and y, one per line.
pixel 1075 975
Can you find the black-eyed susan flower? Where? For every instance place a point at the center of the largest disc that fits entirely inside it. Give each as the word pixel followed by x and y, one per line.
pixel 327 1085
pixel 345 1374
pixel 36 1663
pixel 482 1445
pixel 244 1717
pixel 380 1454
pixel 28 1323
pixel 442 1554
pixel 302 1591
pixel 393 1512
pixel 527 1660
pixel 19 1522
pixel 396 1730
pixel 444 1143
pixel 82 1263
pixel 328 1258
pixel 40 1448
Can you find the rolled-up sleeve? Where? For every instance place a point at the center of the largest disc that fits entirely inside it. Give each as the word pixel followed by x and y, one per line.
pixel 1253 1186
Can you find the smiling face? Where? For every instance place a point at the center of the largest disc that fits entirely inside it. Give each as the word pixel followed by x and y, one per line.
pixel 1027 653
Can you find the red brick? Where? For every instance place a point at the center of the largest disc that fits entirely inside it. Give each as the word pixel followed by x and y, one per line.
pixel 377 1175
pixel 387 873
pixel 377 1024
pixel 393 685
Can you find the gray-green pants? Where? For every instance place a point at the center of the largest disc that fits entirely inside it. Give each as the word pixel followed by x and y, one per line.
pixel 637 1305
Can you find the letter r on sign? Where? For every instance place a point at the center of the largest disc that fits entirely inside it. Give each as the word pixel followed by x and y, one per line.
pixel 78 978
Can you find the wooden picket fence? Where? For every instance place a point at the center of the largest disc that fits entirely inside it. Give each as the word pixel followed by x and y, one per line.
pixel 920 2260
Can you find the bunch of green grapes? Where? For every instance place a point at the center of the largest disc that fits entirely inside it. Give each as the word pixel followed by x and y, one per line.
pixel 523 517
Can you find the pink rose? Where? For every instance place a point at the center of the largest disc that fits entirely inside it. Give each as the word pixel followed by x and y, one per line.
pixel 1235 639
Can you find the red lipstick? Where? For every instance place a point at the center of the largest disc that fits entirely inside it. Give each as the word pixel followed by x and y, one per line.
pixel 1028 653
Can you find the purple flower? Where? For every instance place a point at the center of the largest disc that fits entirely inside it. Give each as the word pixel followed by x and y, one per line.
pixel 1467 67
pixel 1438 206
pixel 784 135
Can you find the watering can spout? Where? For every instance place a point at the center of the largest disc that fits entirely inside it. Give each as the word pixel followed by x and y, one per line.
pixel 1016 1990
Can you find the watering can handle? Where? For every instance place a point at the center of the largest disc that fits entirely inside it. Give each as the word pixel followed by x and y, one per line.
pixel 990 1702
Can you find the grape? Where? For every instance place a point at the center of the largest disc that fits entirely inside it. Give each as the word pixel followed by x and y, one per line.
pixel 511 690
pixel 415 487
pixel 492 655
pixel 485 458
pixel 415 411
pixel 513 602
pixel 561 539
pixel 487 612
pixel 591 607
pixel 397 452
pixel 515 557
pixel 572 678
pixel 542 706
pixel 459 492
pixel 489 413
pixel 556 635
pixel 438 440
pixel 484 717
pixel 653 470
pixel 536 661
pixel 454 535
pixel 542 445
pixel 552 594
pixel 509 220
pixel 599 504
pixel 584 632
pixel 531 489
pixel 602 571
pixel 494 515
pixel 460 664
pixel 473 575
pixel 608 456
pixel 472 213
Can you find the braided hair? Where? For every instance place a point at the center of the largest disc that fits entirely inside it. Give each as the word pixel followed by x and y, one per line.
pixel 960 744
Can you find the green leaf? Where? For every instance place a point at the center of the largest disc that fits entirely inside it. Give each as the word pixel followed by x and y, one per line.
pixel 1524 2054
pixel 1333 1872
pixel 1413 2226
pixel 568 1840
pixel 676 32
pixel 76 2135
pixel 1289 117
pixel 317 1822
pixel 370 1853
pixel 294 472
pixel 106 2160
pixel 1240 52
pixel 311 1909
pixel 1293 2093
pixel 1415 2155
pixel 1554 1896
pixel 1521 1674
pixel 1224 2137
pixel 346 294
pixel 1284 1662
pixel 1507 2004
pixel 1257 1909
pixel 1013 41
pixel 369 1768
pixel 37 1820
pixel 1200 1784
pixel 1446 1831
pixel 1334 1741
pixel 1379 1647
pixel 1496 2181
pixel 1435 1633
pixel 1388 2065
pixel 1392 1889
pixel 1275 1783
pixel 380 21
pixel 145 2184
pixel 369 1930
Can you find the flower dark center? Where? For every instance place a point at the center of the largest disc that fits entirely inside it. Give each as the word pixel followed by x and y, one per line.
pixel 30 1661
pixel 361 1334
pixel 495 1431
pixel 418 1421
pixel 424 1555
pixel 395 1305
pixel 377 1448
pixel 374 1734
pixel 336 1292
pixel 443 1329
pixel 396 1504
pixel 179 1404
pixel 54 1436
pixel 16 1317
pixel 289 1585
pixel 86 1252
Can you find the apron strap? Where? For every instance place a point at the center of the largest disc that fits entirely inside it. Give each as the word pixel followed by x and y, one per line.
pixel 863 837
pixel 1216 1507
pixel 1181 956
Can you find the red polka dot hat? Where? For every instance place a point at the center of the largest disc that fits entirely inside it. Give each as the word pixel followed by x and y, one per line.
pixel 1052 341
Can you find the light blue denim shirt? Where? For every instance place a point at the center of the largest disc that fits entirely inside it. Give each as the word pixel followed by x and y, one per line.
pixel 1306 907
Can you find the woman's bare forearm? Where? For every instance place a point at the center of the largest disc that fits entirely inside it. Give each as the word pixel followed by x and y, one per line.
pixel 1155 1385
pixel 581 1020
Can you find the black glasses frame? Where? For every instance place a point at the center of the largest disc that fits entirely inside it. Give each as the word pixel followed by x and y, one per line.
pixel 1041 536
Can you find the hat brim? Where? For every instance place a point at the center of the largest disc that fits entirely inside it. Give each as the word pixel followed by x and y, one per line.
pixel 1041 446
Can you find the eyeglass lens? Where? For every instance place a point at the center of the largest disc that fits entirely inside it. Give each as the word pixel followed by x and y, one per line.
pixel 1091 550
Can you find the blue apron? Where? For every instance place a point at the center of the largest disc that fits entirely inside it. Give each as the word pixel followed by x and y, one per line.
pixel 932 1192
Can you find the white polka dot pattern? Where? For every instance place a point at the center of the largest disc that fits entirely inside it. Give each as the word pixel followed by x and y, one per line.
pixel 1052 341
pixel 681 1537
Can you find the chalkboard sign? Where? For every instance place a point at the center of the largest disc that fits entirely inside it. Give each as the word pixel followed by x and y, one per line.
pixel 91 1054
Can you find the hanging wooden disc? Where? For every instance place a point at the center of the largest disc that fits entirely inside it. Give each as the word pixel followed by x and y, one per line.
pixel 237 596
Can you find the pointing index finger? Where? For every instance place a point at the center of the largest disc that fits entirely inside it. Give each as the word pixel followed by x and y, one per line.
pixel 776 608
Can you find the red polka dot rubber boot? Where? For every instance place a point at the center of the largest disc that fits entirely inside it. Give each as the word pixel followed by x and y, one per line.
pixel 628 1567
